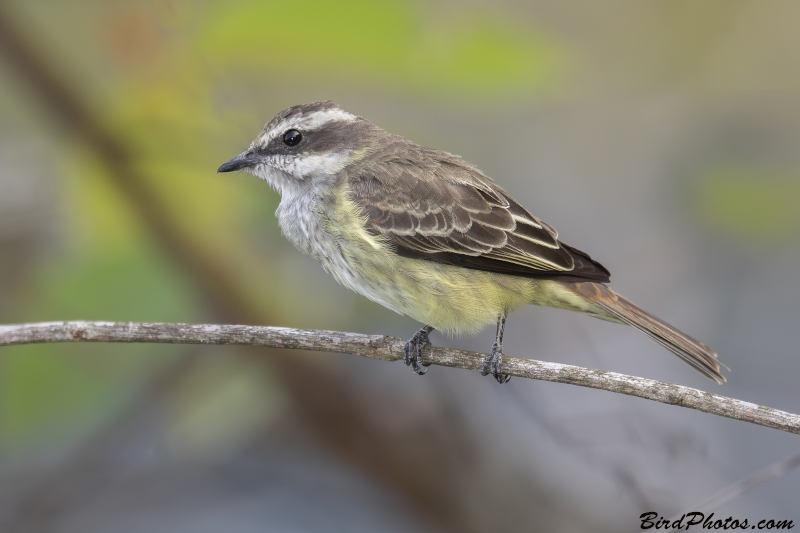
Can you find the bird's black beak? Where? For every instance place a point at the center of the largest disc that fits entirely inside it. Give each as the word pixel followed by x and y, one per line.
pixel 244 160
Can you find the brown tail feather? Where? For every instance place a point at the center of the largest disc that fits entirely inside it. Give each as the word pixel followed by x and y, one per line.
pixel 690 350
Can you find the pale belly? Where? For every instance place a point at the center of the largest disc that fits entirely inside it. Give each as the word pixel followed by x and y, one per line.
pixel 449 298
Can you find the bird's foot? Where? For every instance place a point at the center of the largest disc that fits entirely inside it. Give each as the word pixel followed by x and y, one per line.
pixel 412 352
pixel 492 364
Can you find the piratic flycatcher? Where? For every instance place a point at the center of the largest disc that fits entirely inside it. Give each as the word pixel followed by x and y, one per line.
pixel 428 235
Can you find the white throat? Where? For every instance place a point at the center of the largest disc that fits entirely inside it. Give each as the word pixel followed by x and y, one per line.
pixel 299 209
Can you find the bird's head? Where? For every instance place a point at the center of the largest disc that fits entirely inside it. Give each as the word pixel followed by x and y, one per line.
pixel 303 144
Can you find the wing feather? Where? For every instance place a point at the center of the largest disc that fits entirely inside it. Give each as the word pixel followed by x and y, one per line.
pixel 443 209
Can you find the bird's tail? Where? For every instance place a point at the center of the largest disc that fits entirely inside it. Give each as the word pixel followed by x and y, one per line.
pixel 694 352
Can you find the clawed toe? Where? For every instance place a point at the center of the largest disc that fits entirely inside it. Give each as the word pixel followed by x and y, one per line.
pixel 492 364
pixel 412 352
pixel 412 356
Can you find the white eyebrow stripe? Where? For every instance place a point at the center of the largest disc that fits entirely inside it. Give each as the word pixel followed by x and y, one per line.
pixel 309 122
pixel 319 118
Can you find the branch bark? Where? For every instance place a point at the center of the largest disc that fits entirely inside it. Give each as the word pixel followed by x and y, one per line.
pixel 388 348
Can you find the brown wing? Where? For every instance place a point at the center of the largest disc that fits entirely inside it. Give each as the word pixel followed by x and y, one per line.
pixel 435 206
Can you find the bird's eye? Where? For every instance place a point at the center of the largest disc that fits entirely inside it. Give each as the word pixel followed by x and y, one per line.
pixel 292 137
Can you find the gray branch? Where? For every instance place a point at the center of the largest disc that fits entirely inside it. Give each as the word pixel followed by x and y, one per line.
pixel 388 348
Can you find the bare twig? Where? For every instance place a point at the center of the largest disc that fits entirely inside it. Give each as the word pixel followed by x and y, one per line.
pixel 390 349
pixel 734 490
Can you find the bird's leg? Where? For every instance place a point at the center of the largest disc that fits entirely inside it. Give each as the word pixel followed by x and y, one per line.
pixel 412 352
pixel 492 362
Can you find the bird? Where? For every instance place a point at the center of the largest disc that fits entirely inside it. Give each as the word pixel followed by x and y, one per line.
pixel 428 235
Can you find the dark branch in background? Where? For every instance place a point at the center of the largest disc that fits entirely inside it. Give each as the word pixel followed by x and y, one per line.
pixel 421 476
pixel 391 349
pixel 327 403
pixel 65 105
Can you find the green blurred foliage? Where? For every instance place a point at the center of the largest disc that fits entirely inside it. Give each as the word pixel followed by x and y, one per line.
pixel 386 43
pixel 754 206
pixel 158 72
pixel 186 84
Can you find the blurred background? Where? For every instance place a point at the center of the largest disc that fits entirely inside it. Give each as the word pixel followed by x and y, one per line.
pixel 661 137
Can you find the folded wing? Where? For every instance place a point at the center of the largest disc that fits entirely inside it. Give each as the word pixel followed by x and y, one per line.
pixel 435 206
